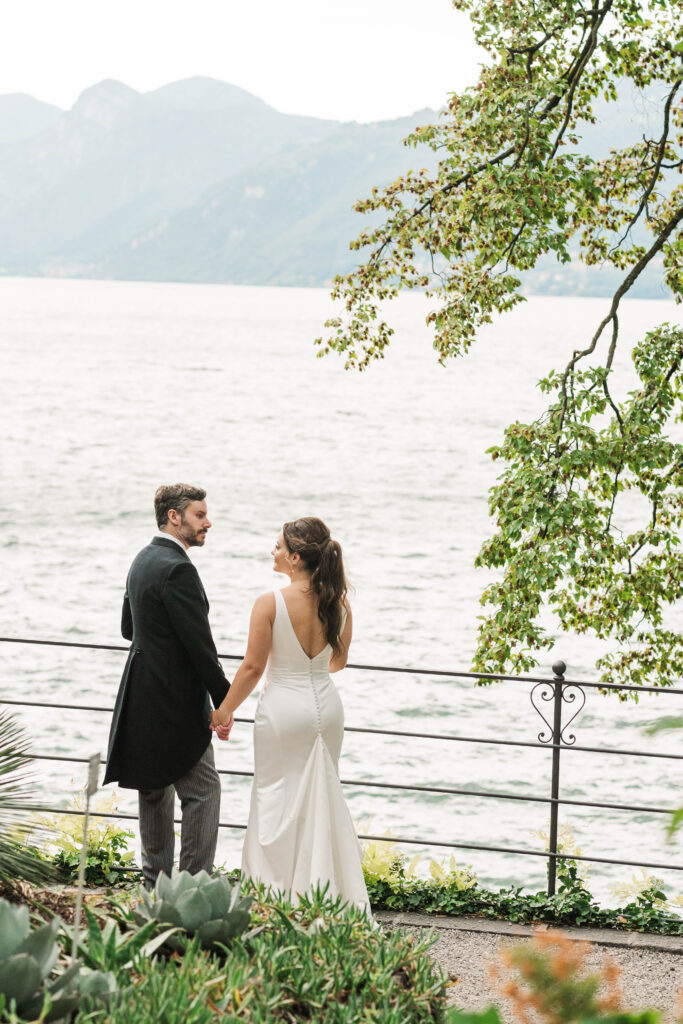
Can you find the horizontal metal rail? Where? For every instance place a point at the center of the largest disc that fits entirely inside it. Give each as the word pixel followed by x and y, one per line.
pixel 445 790
pixel 493 677
pixel 413 841
pixel 555 737
pixel 394 732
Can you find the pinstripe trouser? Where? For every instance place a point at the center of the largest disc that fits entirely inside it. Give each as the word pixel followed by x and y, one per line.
pixel 199 791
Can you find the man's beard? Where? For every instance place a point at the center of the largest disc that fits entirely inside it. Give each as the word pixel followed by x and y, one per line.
pixel 193 538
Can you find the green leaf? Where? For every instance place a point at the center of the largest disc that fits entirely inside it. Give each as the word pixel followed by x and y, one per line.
pixel 219 893
pixel 194 908
pixel 42 946
pixel 490 1016
pixel 14 927
pixel 675 823
pixel 20 978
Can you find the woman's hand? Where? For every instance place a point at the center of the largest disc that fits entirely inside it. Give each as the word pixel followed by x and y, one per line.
pixel 221 724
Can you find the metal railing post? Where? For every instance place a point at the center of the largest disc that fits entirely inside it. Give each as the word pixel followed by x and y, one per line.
pixel 559 668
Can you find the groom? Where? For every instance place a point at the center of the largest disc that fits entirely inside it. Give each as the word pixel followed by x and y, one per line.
pixel 160 739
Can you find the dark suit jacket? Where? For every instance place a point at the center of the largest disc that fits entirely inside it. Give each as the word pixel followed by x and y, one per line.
pixel 160 725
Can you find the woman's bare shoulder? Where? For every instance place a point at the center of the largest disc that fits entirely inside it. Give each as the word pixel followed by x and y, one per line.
pixel 265 604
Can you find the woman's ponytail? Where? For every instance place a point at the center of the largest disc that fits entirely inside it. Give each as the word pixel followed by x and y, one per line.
pixel 329 583
pixel 322 556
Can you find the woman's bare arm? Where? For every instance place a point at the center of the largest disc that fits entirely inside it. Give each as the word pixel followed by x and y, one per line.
pixel 254 664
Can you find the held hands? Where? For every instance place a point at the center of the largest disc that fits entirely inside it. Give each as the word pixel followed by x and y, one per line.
pixel 222 729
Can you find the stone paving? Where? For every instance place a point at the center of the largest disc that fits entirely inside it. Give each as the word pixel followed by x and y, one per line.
pixel 651 966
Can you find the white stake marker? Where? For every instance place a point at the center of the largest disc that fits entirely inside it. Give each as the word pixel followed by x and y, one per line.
pixel 90 790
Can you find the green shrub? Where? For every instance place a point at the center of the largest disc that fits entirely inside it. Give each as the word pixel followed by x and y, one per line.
pixel 571 905
pixel 320 961
pixel 393 885
pixel 108 858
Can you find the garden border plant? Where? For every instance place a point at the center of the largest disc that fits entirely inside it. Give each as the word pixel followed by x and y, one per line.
pixel 393 885
pixel 572 905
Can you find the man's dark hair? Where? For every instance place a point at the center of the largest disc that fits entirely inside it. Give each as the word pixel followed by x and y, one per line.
pixel 177 496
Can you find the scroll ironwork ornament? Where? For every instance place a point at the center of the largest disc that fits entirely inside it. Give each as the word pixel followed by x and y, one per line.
pixel 571 694
pixel 546 692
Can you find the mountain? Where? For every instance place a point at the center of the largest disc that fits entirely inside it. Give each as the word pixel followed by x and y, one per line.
pixel 206 94
pixel 202 181
pixel 22 117
pixel 287 220
pixel 119 160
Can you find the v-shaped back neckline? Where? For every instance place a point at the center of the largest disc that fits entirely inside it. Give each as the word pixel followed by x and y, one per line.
pixel 291 626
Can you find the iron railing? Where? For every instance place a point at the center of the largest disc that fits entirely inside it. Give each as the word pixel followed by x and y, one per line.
pixel 557 693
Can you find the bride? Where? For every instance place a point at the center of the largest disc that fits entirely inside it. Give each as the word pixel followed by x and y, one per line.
pixel 300 832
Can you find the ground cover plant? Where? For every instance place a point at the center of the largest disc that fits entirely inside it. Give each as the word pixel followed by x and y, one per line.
pixel 572 905
pixel 393 885
pixel 316 962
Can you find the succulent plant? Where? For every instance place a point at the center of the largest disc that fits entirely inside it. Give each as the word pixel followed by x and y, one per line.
pixel 207 907
pixel 26 960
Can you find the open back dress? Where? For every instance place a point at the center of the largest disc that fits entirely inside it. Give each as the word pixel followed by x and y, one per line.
pixel 300 832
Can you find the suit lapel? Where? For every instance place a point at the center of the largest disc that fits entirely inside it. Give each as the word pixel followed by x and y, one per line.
pixel 162 542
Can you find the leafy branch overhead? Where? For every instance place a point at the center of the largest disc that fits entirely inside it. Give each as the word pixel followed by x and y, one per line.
pixel 512 185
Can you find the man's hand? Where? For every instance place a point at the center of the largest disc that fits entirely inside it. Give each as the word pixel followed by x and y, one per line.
pixel 222 731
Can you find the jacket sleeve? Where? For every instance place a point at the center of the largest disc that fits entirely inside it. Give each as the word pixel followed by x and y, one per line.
pixel 184 601
pixel 126 619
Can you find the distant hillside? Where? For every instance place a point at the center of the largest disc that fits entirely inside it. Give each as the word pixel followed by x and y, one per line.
pixel 201 181
pixel 22 117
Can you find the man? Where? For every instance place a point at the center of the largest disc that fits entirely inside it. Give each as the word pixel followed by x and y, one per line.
pixel 160 739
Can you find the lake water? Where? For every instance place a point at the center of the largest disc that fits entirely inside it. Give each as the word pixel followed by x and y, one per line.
pixel 111 388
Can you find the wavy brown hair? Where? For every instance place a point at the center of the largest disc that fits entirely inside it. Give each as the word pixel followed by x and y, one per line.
pixel 177 496
pixel 322 557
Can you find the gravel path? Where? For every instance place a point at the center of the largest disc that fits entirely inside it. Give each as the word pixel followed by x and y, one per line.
pixel 650 977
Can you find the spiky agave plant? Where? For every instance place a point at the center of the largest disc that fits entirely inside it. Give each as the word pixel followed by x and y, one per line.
pixel 17 858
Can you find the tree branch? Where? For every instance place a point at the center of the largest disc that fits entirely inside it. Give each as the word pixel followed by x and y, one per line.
pixel 572 75
pixel 661 149
pixel 626 284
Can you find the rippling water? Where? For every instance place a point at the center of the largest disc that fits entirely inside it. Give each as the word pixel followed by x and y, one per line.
pixel 110 388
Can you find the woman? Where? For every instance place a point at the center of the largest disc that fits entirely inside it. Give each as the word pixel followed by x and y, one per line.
pixel 300 832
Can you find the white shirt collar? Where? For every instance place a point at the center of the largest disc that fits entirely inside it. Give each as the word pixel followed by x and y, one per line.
pixel 168 536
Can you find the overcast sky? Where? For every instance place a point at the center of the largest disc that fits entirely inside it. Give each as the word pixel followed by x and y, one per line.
pixel 346 59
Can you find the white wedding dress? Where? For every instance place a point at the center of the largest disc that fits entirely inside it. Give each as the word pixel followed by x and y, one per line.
pixel 300 831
